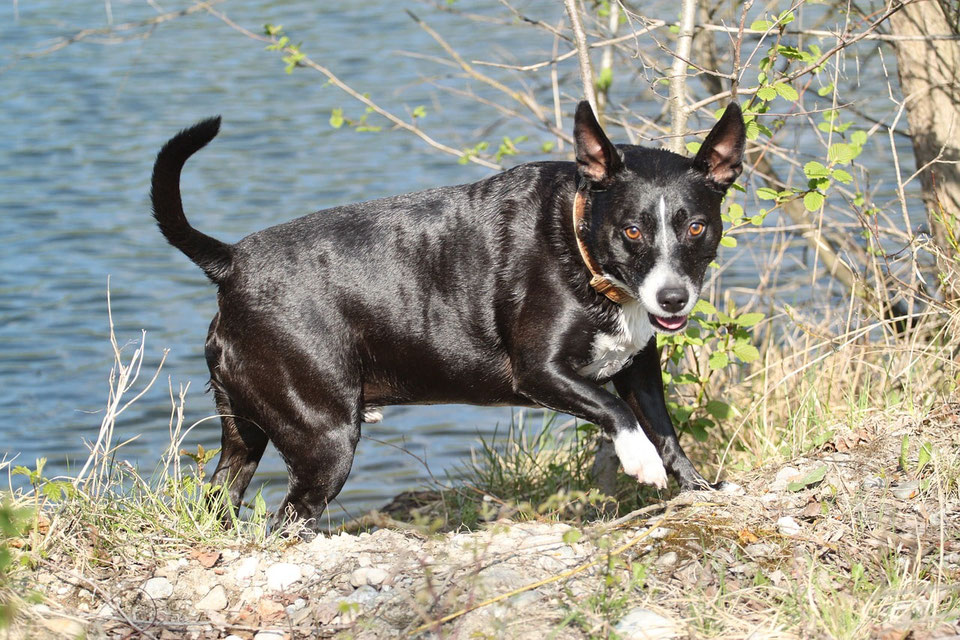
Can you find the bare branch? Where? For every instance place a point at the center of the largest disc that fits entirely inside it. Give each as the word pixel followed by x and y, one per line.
pixel 586 69
pixel 678 76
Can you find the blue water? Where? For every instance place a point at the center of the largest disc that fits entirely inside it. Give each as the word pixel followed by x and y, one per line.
pixel 80 129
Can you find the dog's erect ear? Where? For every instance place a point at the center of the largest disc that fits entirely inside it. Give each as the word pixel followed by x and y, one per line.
pixel 597 158
pixel 721 155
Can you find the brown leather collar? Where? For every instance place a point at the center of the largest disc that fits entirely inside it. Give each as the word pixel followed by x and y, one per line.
pixel 598 281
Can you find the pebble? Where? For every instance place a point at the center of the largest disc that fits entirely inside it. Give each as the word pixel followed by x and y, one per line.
pixel 667 560
pixel 215 600
pixel 282 575
pixel 660 532
pixel 269 635
pixel 873 482
pixel 788 526
pixel 247 567
pixel 906 490
pixel 643 624
pixel 158 588
pixel 368 575
pixel 784 477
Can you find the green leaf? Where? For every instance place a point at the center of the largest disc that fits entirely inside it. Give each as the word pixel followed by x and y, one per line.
pixel 841 176
pixel 841 153
pixel 811 478
pixel 693 147
pixel 735 212
pixel 757 220
pixel 753 130
pixel 815 170
pixel 767 93
pixel 704 307
pixel 924 456
pixel 718 360
pixel 787 92
pixel 823 91
pixel 760 25
pixel 766 193
pixel 571 536
pixel 419 111
pixel 904 453
pixel 336 118
pixel 858 138
pixel 605 79
pixel 745 351
pixel 728 241
pixel 813 201
pixel 749 319
pixel 720 410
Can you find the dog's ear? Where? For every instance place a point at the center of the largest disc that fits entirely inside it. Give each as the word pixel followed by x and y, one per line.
pixel 597 159
pixel 721 154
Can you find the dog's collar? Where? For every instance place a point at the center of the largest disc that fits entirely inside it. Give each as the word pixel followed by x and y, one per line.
pixel 598 281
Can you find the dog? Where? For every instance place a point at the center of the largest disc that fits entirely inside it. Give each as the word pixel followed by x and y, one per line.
pixel 533 287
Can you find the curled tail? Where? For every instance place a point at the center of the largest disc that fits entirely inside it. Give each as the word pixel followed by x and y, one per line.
pixel 208 253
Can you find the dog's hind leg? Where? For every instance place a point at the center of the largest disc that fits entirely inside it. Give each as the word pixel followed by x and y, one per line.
pixel 242 445
pixel 318 447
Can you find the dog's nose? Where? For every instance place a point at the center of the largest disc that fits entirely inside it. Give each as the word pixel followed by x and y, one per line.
pixel 672 299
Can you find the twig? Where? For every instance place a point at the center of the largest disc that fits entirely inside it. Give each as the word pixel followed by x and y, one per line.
pixel 678 76
pixel 586 69
pixel 306 61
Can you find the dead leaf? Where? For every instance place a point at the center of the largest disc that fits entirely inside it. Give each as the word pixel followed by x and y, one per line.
pixel 206 558
pixel 269 609
pixel 747 537
pixel 812 509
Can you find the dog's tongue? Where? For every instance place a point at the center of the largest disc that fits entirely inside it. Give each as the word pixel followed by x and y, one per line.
pixel 671 324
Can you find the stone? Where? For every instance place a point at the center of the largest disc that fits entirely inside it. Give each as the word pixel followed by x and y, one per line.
pixel 906 490
pixel 643 624
pixel 247 568
pixel 873 483
pixel 788 526
pixel 668 559
pixel 368 576
pixel 282 575
pixel 158 588
pixel 784 477
pixel 270 634
pixel 760 550
pixel 215 600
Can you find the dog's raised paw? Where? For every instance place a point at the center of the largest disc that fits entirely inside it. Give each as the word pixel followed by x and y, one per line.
pixel 640 458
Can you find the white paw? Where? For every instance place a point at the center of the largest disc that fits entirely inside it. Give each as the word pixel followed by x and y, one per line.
pixel 640 458
pixel 372 414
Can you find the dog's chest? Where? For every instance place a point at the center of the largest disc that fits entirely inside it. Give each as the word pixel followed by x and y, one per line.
pixel 613 352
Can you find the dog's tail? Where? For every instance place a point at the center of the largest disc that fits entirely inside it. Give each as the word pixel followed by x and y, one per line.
pixel 208 253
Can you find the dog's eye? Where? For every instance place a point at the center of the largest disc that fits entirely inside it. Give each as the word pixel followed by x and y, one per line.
pixel 697 228
pixel 632 232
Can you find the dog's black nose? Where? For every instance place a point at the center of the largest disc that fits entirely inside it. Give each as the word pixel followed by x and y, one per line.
pixel 672 299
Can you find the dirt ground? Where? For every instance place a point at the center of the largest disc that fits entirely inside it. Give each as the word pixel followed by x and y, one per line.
pixel 859 538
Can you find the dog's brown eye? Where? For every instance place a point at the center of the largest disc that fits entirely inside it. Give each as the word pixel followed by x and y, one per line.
pixel 632 232
pixel 697 228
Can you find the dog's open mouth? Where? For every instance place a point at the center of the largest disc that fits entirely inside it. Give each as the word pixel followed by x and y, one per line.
pixel 668 325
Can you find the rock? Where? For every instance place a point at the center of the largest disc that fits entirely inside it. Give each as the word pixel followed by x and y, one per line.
pixel 281 575
pixel 643 624
pixel 660 532
pixel 215 600
pixel 731 488
pixel 246 568
pixel 667 560
pixel 368 575
pixel 906 490
pixel 788 526
pixel 270 634
pixel 760 550
pixel 784 477
pixel 63 627
pixel 873 483
pixel 158 588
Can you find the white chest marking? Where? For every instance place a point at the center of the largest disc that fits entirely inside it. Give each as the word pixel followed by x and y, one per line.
pixel 614 351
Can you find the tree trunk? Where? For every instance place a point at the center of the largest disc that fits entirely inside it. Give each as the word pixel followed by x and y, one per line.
pixel 928 78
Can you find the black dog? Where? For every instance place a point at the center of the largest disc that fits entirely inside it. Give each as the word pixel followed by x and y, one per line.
pixel 533 287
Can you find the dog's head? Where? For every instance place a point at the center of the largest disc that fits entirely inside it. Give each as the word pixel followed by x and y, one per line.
pixel 654 217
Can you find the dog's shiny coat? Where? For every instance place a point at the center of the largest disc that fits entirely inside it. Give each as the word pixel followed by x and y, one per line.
pixel 468 294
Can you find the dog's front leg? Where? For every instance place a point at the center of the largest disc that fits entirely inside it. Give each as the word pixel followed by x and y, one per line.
pixel 561 389
pixel 641 386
